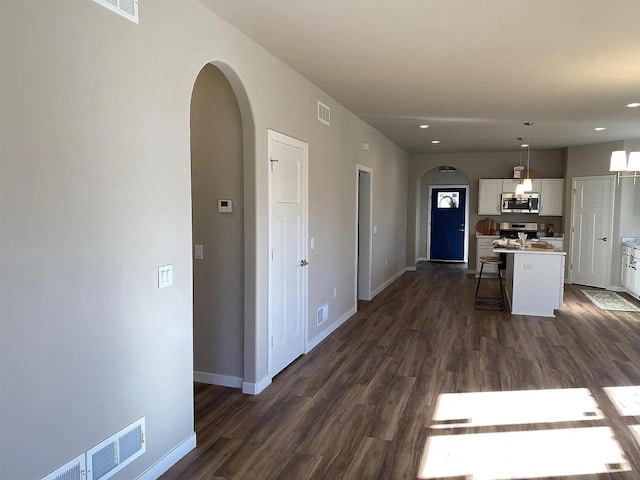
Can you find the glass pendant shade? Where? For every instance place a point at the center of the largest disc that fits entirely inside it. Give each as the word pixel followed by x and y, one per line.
pixel 527 185
pixel 634 162
pixel 618 161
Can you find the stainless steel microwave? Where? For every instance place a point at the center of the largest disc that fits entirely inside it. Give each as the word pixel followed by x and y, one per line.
pixel 525 203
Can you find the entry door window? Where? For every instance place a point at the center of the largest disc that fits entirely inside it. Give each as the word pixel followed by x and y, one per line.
pixel 448 199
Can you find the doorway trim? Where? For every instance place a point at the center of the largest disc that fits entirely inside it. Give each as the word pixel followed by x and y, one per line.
pixel 369 171
pixel 612 181
pixel 294 142
pixel 466 221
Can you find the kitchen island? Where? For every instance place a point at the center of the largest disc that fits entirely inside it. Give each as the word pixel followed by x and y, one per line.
pixel 534 279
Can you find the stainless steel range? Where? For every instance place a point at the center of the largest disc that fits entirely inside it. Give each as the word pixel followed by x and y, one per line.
pixel 511 230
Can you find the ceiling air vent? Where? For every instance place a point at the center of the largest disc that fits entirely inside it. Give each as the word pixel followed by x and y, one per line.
pixel 74 470
pixel 127 8
pixel 324 113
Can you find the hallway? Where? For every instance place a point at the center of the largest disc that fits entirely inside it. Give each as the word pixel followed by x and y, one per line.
pixel 361 404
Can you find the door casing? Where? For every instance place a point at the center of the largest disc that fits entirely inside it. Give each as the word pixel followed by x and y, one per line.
pixel 611 179
pixel 282 138
pixel 369 241
pixel 466 220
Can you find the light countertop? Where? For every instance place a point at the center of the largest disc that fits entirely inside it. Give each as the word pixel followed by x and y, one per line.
pixel 631 242
pixel 529 249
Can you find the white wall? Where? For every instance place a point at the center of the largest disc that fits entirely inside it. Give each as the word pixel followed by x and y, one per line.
pixel 95 194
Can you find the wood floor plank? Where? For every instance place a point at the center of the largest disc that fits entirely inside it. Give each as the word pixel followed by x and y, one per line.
pixel 360 405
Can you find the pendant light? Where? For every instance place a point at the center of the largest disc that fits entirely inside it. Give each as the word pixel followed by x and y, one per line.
pixel 527 183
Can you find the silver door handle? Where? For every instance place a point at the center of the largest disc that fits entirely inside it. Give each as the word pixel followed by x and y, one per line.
pixel 303 263
pixel 604 239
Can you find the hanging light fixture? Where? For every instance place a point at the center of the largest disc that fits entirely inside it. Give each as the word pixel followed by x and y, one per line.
pixel 520 185
pixel 527 183
pixel 619 164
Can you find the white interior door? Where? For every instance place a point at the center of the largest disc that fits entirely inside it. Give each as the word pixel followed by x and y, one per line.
pixel 591 230
pixel 288 159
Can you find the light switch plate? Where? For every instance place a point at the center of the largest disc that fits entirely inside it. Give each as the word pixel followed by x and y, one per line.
pixel 165 276
pixel 198 252
pixel 313 244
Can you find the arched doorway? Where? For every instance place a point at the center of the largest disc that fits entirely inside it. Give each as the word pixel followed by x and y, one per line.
pixel 443 191
pixel 222 161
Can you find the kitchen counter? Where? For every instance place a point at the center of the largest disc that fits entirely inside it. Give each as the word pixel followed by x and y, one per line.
pixel 534 280
pixel 633 242
pixel 529 250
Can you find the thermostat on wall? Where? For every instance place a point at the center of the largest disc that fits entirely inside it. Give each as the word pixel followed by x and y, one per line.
pixel 225 206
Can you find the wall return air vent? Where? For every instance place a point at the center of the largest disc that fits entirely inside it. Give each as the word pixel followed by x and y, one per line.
pixel 127 8
pixel 324 113
pixel 76 469
pixel 116 452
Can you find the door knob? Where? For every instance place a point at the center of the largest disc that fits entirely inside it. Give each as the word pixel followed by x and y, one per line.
pixel 604 239
pixel 303 263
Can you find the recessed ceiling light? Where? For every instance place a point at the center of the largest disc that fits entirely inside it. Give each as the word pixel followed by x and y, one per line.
pixel 524 145
pixel 599 129
pixel 633 105
pixel 424 126
pixel 435 141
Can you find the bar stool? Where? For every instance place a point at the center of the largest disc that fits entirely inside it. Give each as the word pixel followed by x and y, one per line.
pixel 490 303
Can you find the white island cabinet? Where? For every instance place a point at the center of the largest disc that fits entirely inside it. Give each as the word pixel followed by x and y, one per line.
pixel 534 280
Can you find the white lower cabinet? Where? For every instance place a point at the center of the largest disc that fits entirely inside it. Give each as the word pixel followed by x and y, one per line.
pixel 484 248
pixel 630 275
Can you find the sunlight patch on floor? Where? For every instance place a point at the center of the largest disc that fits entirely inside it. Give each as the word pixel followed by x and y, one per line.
pixel 540 453
pixel 515 407
pixel 625 399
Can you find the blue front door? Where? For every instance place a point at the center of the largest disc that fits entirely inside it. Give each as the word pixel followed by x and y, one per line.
pixel 448 207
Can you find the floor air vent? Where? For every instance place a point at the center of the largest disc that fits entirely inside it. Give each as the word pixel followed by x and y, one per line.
pixel 127 8
pixel 116 452
pixel 324 113
pixel 74 470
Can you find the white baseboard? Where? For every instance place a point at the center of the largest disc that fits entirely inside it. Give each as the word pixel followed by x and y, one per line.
pixel 422 259
pixel 215 379
pixel 256 388
pixel 616 288
pixel 411 269
pixel 170 459
pixel 387 283
pixel 329 330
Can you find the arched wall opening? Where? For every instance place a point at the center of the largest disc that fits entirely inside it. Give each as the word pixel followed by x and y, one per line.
pixel 223 169
pixel 442 175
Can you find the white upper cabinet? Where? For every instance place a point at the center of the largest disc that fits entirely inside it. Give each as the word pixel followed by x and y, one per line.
pixel 551 197
pixel 509 185
pixel 489 191
pixel 551 192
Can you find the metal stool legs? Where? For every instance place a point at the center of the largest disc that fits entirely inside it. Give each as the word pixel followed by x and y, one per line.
pixel 489 303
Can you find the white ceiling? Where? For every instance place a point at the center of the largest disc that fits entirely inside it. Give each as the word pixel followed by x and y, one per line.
pixel 474 70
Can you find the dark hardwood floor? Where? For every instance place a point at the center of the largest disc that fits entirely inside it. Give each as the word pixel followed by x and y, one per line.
pixel 360 405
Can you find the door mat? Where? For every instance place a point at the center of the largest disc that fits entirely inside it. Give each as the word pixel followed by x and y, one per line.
pixel 605 300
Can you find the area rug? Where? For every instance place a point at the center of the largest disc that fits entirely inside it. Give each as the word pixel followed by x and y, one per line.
pixel 605 300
